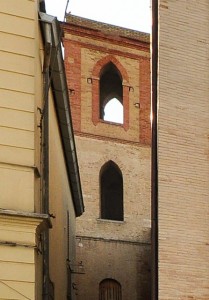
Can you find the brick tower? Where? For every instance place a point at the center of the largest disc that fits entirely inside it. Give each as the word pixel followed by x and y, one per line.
pixel 105 62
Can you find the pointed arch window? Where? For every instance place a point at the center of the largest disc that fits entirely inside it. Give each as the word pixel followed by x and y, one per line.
pixel 111 192
pixel 110 85
pixel 111 92
pixel 110 289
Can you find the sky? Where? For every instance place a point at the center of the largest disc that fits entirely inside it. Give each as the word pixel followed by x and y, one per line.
pixel 133 14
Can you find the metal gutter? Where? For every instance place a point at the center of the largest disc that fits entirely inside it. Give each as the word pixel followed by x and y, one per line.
pixel 45 178
pixel 154 163
pixel 61 101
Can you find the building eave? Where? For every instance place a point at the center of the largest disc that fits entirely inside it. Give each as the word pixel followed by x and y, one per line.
pixel 97 27
pixel 61 101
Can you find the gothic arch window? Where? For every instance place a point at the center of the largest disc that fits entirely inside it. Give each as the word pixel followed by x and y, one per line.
pixel 110 289
pixel 111 90
pixel 110 87
pixel 111 192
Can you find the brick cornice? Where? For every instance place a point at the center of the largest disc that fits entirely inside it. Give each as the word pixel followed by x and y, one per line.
pixel 104 138
pixel 109 38
pixel 110 51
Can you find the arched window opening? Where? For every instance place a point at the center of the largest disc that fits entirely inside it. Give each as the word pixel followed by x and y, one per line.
pixel 110 289
pixel 113 111
pixel 110 86
pixel 111 192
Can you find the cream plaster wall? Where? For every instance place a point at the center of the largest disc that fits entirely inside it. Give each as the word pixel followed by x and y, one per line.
pixel 20 63
pixel 18 22
pixel 17 256
pixel 60 204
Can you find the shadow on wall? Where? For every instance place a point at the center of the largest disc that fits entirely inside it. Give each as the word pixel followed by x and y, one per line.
pixel 144 273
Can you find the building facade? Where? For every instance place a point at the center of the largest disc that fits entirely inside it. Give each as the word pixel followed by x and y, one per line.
pixel 182 150
pixel 37 215
pixel 104 64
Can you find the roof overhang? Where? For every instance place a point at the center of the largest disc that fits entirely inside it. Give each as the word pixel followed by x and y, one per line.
pixel 61 101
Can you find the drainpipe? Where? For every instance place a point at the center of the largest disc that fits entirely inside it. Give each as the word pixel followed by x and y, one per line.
pixel 45 203
pixel 154 164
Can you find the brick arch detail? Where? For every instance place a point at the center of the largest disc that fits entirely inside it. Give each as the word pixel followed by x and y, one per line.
pixel 95 89
pixel 105 60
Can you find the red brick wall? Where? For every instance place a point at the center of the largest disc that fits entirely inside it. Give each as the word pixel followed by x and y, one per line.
pixel 145 101
pixel 85 55
pixel 73 72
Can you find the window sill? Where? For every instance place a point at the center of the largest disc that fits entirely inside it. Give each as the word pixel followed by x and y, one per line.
pixel 110 221
pixel 111 123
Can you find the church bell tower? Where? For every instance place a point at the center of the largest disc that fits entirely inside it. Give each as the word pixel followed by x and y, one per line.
pixel 108 74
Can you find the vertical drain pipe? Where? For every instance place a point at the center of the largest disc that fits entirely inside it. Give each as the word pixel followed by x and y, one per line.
pixel 154 164
pixel 45 208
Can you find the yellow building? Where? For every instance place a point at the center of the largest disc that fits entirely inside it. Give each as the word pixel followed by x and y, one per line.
pixel 39 176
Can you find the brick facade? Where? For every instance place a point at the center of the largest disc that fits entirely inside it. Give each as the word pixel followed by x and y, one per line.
pixel 86 50
pixel 124 245
pixel 183 131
